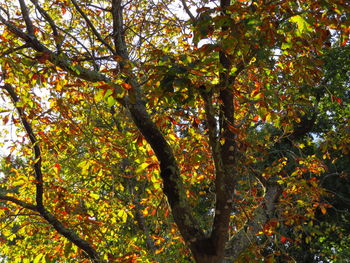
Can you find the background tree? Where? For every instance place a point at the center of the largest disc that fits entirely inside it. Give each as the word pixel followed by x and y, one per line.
pixel 145 134
pixel 328 229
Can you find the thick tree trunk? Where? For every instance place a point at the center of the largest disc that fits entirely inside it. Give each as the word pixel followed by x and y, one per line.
pixel 208 259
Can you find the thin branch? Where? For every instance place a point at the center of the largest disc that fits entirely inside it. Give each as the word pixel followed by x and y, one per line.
pixel 61 60
pixel 50 218
pixel 5 11
pixel 260 178
pixel 79 42
pixel 18 32
pixel 71 236
pixel 19 202
pixel 92 27
pixel 187 10
pixel 12 50
pixel 212 125
pixel 99 8
pixel 243 238
pixel 27 20
pixel 35 145
pixel 52 24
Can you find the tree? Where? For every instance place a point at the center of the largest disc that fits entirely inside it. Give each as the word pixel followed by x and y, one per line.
pixel 146 135
pixel 329 243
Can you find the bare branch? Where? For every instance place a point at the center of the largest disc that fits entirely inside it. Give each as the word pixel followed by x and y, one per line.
pixel 247 235
pixel 48 18
pixel 27 20
pixel 18 202
pixel 118 31
pixel 187 10
pixel 12 50
pixel 91 25
pixel 35 145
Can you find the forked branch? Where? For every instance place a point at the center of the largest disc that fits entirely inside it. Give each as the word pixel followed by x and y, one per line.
pixel 70 234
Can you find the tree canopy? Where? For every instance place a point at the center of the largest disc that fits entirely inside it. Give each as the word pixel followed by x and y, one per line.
pixel 187 131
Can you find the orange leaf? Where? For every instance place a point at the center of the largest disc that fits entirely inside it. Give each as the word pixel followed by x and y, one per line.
pixel 126 86
pixel 57 167
pixel 283 239
pixel 256 118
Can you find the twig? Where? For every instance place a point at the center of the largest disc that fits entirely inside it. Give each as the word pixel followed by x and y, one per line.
pixel 90 24
pixel 52 24
pixel 187 10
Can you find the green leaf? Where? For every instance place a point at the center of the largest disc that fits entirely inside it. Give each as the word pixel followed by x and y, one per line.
pixel 302 24
pixel 286 45
pixel 111 101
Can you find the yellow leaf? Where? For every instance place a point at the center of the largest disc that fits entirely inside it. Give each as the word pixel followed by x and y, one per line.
pixel 141 167
pixel 123 215
pixel 37 258
pixel 252 60
pixel 159 250
pixel 172 137
pixel 95 196
pixel 145 212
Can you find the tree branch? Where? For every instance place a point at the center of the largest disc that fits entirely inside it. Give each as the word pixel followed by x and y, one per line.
pixel 50 218
pixel 52 24
pixel 60 60
pixel 118 31
pixel 187 10
pixel 170 173
pixel 213 131
pixel 35 145
pixel 25 15
pixel 71 236
pixel 18 202
pixel 92 27
pixel 225 180
pixel 172 183
pixel 12 50
pixel 247 235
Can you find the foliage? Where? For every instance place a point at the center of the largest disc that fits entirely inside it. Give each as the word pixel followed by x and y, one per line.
pixel 329 229
pixel 154 131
